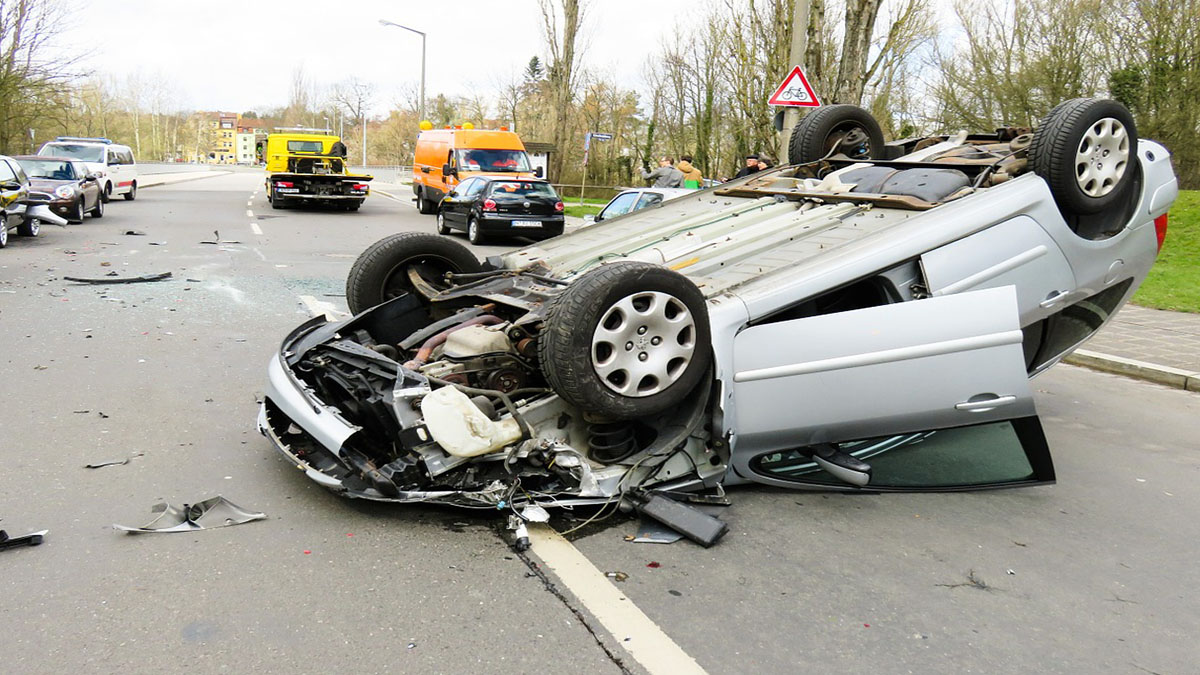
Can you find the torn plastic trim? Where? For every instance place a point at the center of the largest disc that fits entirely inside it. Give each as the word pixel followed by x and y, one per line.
pixel 293 398
pixel 208 514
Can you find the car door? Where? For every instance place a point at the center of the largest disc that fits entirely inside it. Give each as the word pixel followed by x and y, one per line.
pixel 455 203
pixel 883 380
pixel 89 188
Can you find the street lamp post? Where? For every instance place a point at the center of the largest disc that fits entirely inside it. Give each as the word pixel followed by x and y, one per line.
pixel 385 22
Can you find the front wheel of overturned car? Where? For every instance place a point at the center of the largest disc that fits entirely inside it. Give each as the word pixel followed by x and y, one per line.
pixel 1084 149
pixel 386 269
pixel 836 129
pixel 626 340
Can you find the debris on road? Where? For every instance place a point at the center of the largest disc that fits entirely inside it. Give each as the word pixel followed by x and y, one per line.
pixel 120 280
pixel 216 240
pixel 135 233
pixel 112 462
pixel 616 576
pixel 31 539
pixel 208 514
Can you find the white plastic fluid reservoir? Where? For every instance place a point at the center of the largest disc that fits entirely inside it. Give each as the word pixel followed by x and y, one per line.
pixel 461 428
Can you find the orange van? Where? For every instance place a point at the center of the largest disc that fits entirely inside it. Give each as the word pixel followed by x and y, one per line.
pixel 446 157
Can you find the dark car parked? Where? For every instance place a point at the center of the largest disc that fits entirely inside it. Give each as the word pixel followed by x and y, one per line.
pixel 490 205
pixel 72 191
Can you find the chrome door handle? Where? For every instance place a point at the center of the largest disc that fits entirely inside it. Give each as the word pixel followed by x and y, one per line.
pixel 1054 299
pixel 988 404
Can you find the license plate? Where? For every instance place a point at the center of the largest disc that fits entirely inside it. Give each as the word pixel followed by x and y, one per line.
pixel 526 223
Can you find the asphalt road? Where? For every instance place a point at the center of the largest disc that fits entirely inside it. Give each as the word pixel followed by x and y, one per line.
pixel 1094 574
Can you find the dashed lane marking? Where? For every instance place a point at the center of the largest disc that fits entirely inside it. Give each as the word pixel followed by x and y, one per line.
pixel 255 228
pixel 249 213
pixel 632 629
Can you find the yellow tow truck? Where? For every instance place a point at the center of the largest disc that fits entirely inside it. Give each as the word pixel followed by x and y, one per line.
pixel 309 165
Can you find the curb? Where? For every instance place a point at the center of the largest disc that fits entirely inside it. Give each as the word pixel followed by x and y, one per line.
pixel 1150 372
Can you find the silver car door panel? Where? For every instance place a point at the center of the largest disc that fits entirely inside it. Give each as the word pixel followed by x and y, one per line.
pixel 911 366
pixel 1016 252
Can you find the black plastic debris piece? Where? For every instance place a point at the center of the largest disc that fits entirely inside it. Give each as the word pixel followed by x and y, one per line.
pixel 120 280
pixel 31 539
pixel 107 462
pixel 687 520
pixel 208 514
pixel 135 233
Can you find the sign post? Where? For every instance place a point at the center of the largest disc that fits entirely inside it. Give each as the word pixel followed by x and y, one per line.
pixel 587 146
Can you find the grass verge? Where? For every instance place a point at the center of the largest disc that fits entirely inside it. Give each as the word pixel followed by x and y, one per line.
pixel 581 211
pixel 1174 280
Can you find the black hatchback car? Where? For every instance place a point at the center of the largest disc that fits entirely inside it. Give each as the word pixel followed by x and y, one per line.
pixel 495 205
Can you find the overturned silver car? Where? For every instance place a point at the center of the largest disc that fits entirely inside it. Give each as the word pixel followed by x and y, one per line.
pixel 865 318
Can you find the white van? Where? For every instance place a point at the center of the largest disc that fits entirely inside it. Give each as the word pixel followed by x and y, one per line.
pixel 113 164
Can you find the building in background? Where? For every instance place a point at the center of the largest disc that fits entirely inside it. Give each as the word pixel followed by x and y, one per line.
pixel 248 134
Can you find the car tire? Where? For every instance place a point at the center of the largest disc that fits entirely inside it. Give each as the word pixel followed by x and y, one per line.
pixel 3 233
pixel 78 212
pixel 106 193
pixel 381 272
pixel 98 210
pixel 581 352
pixel 473 234
pixel 426 206
pixel 132 194
pixel 1085 149
pixel 442 227
pixel 29 228
pixel 825 130
pixel 278 202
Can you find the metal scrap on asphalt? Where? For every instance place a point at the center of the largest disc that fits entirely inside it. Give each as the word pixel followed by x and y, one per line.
pixel 120 280
pixel 208 514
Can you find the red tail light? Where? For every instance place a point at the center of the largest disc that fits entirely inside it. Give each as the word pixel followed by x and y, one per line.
pixel 1160 229
pixel 558 206
pixel 360 186
pixel 283 184
pixel 489 205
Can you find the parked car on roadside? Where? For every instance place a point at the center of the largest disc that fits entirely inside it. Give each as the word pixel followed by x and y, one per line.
pixel 115 168
pixel 490 205
pixel 866 318
pixel 636 199
pixel 70 190
pixel 20 208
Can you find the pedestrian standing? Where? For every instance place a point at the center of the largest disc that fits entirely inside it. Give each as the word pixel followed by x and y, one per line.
pixel 751 166
pixel 692 178
pixel 666 175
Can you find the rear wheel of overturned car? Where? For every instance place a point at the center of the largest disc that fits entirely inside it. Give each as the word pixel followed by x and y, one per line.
pixel 29 228
pixel 836 129
pixel 385 270
pixel 1084 149
pixel 626 340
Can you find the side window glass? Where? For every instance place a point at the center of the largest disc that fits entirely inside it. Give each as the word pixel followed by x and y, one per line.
pixel 620 206
pixel 21 176
pixel 79 169
pixel 465 186
pixel 649 199
pixel 6 173
pixel 476 187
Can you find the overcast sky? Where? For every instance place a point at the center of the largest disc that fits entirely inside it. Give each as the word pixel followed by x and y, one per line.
pixel 239 56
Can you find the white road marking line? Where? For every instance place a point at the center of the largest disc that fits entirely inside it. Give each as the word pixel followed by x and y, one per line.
pixel 260 254
pixel 632 629
pixel 249 213
pixel 255 228
pixel 319 307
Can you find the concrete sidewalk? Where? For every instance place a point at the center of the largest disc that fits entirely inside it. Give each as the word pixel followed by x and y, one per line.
pixel 1149 344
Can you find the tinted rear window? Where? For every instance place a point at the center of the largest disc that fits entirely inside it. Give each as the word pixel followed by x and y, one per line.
pixel 305 146
pixel 514 188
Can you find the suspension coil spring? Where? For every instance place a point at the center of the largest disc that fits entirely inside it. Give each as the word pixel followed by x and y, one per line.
pixel 610 442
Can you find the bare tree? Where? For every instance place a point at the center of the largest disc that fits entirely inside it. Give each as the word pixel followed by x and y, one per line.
pixel 561 21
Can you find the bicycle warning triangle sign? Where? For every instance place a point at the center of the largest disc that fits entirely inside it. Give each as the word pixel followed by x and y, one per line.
pixel 795 91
